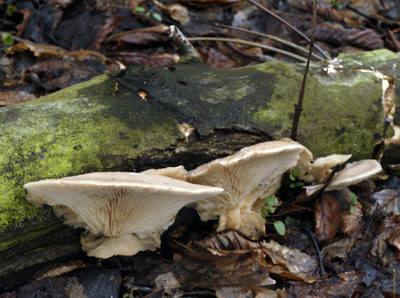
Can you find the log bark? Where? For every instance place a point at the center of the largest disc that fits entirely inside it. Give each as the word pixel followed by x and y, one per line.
pixel 187 114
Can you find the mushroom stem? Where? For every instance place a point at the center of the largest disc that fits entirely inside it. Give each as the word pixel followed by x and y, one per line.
pixel 231 219
pixel 105 247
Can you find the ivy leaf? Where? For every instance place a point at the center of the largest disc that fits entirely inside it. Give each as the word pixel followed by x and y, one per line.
pixel 296 172
pixel 280 227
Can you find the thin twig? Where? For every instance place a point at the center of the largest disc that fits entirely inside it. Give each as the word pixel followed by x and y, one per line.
pixel 274 15
pixel 298 108
pixel 321 265
pixel 274 38
pixel 249 43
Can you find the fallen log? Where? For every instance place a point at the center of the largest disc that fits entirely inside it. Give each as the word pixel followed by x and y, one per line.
pixel 188 114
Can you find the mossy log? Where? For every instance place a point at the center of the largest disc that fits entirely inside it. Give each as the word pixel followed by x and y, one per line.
pixel 134 120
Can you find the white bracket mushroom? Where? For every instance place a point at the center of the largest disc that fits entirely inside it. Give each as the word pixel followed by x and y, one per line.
pixel 124 212
pixel 248 176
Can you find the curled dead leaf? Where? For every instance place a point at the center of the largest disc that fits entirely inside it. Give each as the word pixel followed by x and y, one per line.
pixel 388 232
pixel 327 217
pixel 352 222
pixel 290 263
pixel 229 240
pixel 389 200
pixel 177 11
pixel 339 248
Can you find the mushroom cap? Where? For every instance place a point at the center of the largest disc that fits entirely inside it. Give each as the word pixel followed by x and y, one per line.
pixel 113 204
pixel 178 172
pixel 248 175
pixel 354 173
pixel 321 167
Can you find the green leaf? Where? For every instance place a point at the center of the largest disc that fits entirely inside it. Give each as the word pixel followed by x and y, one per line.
pixel 156 16
pixel 353 198
pixel 11 10
pixel 270 201
pixel 147 14
pixel 292 177
pixel 292 185
pixel 352 208
pixel 271 209
pixel 290 221
pixel 7 39
pixel 296 172
pixel 299 184
pixel 280 227
pixel 264 213
pixel 140 9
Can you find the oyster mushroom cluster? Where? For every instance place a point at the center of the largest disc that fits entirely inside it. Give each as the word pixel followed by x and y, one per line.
pixel 127 212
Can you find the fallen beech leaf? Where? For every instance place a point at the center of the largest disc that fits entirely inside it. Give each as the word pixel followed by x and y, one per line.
pixel 13 97
pixel 361 38
pixel 177 12
pixel 290 263
pixel 339 248
pixel 47 51
pixel 215 59
pixel 220 268
pixel 388 232
pixel 352 222
pixel 229 240
pixel 327 219
pixel 143 36
pixel 324 11
pixel 226 259
pixel 389 200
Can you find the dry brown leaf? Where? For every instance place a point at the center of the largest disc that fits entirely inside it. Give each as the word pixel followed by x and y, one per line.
pixel 324 11
pixel 327 217
pixel 215 59
pixel 290 263
pixel 177 12
pixel 339 248
pixel 143 36
pixel 229 240
pixel 13 97
pixel 388 232
pixel 49 51
pixel 389 200
pixel 226 259
pixel 220 268
pixel 352 223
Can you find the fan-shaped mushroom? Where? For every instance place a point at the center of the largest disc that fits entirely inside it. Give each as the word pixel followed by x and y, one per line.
pixel 124 212
pixel 250 174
